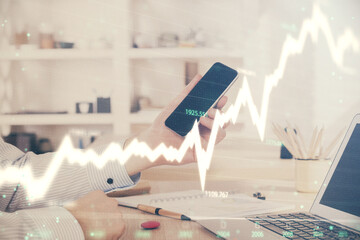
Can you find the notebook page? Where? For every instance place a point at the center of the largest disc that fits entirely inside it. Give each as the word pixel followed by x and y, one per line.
pixel 196 205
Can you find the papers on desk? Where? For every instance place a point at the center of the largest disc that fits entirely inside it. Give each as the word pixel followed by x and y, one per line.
pixel 197 205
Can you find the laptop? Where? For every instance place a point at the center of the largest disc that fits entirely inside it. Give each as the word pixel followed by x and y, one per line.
pixel 335 213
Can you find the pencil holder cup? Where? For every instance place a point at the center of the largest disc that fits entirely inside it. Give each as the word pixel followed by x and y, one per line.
pixel 310 174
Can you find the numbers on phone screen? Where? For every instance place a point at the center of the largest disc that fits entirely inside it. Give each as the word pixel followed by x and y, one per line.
pixel 194 113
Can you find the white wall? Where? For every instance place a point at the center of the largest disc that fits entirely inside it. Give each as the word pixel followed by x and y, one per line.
pixel 56 85
pixel 307 95
pixel 337 97
pixel 254 29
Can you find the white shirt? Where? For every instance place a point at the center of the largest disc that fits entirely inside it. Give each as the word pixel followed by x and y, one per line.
pixel 45 218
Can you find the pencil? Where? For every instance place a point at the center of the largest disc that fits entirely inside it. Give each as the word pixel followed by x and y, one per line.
pixel 312 142
pixel 294 137
pixel 289 133
pixel 162 212
pixel 302 144
pixel 284 142
pixel 281 135
pixel 284 135
pixel 317 143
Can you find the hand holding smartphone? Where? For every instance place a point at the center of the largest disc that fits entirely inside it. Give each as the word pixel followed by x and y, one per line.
pixel 201 98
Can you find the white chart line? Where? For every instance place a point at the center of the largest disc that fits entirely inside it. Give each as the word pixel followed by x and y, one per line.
pixel 37 188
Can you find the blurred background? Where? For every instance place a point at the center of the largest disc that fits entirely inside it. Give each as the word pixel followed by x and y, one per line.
pixel 89 68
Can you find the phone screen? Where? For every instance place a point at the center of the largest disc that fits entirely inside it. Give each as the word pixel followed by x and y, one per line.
pixel 201 98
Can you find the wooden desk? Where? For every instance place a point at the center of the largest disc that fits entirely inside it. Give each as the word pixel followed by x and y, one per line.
pixel 169 228
pixel 280 191
pixel 246 165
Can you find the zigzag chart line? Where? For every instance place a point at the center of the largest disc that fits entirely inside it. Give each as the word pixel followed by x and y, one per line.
pixel 37 188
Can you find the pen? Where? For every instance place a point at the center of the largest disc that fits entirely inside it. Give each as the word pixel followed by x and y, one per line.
pixel 162 212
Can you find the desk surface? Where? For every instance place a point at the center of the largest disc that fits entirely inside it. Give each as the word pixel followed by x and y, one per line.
pixel 248 166
pixel 280 191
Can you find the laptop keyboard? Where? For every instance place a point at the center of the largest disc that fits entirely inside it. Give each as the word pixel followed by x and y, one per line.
pixel 302 226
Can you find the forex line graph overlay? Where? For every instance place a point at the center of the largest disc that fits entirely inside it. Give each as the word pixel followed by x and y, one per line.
pixel 312 27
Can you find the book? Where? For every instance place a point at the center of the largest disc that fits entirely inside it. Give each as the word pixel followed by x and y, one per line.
pixel 198 205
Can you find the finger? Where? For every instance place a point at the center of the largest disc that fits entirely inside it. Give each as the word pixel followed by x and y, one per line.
pixel 206 122
pixel 221 103
pixel 205 134
pixel 212 113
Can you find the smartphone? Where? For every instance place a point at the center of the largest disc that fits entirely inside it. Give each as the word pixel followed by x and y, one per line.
pixel 206 93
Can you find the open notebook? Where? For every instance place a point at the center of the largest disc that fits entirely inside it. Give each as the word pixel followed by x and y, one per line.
pixel 197 205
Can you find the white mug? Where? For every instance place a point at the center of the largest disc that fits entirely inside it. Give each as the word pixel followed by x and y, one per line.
pixel 310 174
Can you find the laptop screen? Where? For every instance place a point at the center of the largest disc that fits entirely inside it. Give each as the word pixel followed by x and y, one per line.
pixel 343 190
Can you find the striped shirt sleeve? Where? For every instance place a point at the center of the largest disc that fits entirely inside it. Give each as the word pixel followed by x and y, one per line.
pixel 40 223
pixel 58 180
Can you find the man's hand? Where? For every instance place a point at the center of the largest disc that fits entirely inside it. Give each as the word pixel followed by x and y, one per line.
pixel 98 215
pixel 158 133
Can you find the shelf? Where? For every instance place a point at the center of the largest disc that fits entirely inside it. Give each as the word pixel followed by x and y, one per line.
pixel 57 119
pixel 190 53
pixel 144 116
pixel 135 53
pixel 56 54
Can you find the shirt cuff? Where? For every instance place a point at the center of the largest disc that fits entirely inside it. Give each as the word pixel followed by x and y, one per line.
pixel 55 223
pixel 112 176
